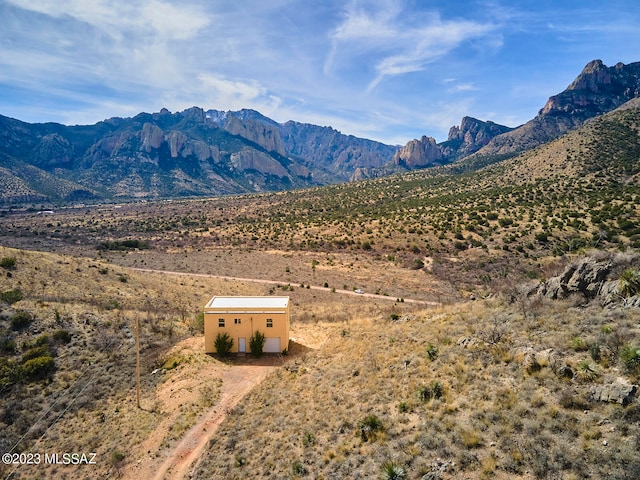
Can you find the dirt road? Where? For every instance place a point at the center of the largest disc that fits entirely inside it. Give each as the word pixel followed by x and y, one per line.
pixel 280 282
pixel 176 464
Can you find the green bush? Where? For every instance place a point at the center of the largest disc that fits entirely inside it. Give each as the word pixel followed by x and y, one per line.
pixel 392 471
pixel 630 357
pixel 7 345
pixel 630 283
pixel 432 352
pixel 299 469
pixel 38 368
pixel 8 263
pixel 21 320
pixel 370 426
pixel 8 374
pixel 223 343
pixel 256 343
pixel 35 352
pixel 62 336
pixel 11 296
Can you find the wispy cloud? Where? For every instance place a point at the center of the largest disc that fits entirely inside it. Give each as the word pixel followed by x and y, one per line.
pixel 396 42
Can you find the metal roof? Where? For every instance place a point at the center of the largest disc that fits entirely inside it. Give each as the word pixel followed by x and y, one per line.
pixel 248 302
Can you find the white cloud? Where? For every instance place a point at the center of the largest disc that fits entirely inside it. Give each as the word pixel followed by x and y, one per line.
pixel 394 44
pixel 462 87
pixel 116 17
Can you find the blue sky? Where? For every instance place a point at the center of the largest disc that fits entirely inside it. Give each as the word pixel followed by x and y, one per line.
pixel 389 70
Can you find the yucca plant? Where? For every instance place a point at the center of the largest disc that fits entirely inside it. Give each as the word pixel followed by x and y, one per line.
pixel 630 283
pixel 392 471
pixel 369 427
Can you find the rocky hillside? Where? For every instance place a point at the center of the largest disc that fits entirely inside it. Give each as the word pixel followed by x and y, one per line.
pixel 208 153
pixel 597 90
pixel 164 154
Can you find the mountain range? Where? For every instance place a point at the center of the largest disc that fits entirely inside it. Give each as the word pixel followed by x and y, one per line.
pixel 200 152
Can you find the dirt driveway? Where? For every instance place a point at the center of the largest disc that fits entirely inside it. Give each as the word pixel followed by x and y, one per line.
pixel 156 460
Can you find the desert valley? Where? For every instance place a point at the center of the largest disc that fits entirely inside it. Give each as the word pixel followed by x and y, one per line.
pixel 466 309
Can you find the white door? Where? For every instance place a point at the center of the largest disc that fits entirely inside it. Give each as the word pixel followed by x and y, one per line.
pixel 272 345
pixel 242 345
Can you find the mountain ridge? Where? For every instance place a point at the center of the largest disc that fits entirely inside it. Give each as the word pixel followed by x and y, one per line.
pixel 199 152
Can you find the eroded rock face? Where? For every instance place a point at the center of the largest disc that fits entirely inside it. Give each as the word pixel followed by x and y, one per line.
pixel 264 135
pixel 586 277
pixel 621 392
pixel 249 159
pixel 418 153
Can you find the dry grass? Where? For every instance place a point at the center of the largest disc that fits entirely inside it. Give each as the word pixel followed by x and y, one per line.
pixel 494 419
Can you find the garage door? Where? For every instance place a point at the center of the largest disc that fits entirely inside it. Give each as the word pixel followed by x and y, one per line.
pixel 272 345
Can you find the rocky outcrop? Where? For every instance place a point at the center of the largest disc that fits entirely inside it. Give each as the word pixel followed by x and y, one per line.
pixel 267 136
pixel 334 155
pixel 470 136
pixel 597 90
pixel 419 153
pixel 620 391
pixel 249 159
pixel 586 277
pixel 151 137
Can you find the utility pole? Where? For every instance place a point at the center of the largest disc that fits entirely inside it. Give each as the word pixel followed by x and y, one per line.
pixel 138 360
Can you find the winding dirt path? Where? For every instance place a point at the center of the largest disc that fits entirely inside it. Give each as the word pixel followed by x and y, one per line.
pixel 237 381
pixel 280 282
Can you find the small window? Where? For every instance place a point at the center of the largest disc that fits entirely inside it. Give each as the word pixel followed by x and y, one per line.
pixel 269 322
pixel 237 321
pixel 221 322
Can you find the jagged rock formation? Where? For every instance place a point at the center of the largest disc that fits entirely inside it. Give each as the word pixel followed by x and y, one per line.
pixel 597 90
pixel 265 135
pixel 620 391
pixel 470 136
pixel 591 278
pixel 419 153
pixel 168 154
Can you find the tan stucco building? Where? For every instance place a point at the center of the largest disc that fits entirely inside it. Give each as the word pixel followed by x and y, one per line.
pixel 241 317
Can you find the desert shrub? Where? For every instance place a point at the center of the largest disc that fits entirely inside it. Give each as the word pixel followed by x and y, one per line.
pixel 8 374
pixel 433 390
pixel 198 322
pixel 38 368
pixel 298 469
pixel 112 305
pixel 586 371
pixel 223 343
pixel 578 344
pixel 256 343
pixel 62 336
pixel 7 345
pixel 630 283
pixel 123 245
pixel 370 426
pixel 630 357
pixel 8 263
pixel 35 352
pixel 392 471
pixel 308 439
pixel 21 320
pixel 11 296
pixel 432 352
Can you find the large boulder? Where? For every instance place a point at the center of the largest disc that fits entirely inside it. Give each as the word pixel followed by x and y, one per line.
pixel 620 391
pixel 586 277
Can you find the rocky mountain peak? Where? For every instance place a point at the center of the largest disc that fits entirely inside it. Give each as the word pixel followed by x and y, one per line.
pixel 418 153
pixel 598 89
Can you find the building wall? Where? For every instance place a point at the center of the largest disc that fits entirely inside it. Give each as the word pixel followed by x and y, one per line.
pixel 250 322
